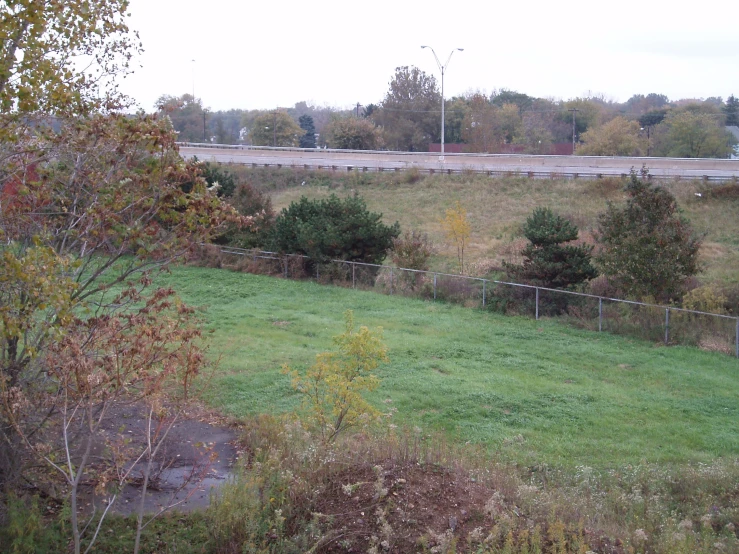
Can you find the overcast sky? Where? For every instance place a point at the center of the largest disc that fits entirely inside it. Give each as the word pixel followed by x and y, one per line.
pixel 263 54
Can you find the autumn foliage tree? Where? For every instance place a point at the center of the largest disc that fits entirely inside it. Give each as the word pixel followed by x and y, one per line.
pixel 408 114
pixel 252 202
pixel 618 137
pixel 486 126
pixel 457 229
pixel 275 128
pixel 412 250
pixel 693 134
pixel 44 44
pixel 90 208
pixel 149 356
pixel 96 207
pixel 479 129
pixel 332 388
pixel 187 115
pixel 352 133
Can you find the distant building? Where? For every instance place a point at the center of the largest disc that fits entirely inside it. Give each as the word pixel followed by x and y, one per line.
pixel 449 147
pixel 556 149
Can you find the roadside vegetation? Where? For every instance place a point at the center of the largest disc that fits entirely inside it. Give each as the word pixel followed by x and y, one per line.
pixel 496 210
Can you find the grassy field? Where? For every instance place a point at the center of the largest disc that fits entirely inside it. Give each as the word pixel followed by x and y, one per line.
pixel 581 442
pixel 497 207
pixel 536 392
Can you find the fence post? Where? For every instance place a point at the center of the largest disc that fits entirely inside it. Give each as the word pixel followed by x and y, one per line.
pixel 537 303
pixel 434 286
pixel 737 337
pixel 287 263
pixel 600 314
pixel 391 280
pixel 316 271
pixel 354 281
pixel 484 282
pixel 667 325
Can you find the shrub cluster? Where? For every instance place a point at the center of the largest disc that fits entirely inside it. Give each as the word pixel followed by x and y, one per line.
pixel 256 204
pixel 332 228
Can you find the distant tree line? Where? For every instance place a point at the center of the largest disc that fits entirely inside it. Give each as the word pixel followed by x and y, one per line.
pixel 408 118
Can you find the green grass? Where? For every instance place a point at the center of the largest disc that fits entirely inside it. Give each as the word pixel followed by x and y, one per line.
pixel 172 532
pixel 536 392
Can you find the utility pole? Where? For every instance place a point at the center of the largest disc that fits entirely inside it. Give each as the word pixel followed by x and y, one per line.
pixel 573 110
pixel 204 140
pixel 648 143
pixel 274 128
pixel 358 109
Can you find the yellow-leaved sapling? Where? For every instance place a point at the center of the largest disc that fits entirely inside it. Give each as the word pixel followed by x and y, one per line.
pixel 333 387
pixel 457 228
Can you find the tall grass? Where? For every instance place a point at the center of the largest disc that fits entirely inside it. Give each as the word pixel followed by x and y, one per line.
pixel 404 492
pixel 410 492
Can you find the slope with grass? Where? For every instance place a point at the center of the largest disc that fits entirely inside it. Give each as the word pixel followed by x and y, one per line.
pixel 497 207
pixel 537 392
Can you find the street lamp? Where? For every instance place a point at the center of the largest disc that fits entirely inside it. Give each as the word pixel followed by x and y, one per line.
pixel 193 81
pixel 648 145
pixel 442 68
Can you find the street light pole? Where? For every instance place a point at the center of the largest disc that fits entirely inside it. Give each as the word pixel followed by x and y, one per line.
pixel 574 111
pixel 442 68
pixel 274 129
pixel 193 81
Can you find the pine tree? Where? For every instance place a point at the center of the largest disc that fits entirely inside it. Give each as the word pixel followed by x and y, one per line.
pixel 547 261
pixel 308 140
pixel 731 109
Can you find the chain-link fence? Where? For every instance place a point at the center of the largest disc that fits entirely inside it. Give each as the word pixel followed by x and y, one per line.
pixel 666 324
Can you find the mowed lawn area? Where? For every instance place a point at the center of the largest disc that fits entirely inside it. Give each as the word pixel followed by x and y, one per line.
pixel 534 392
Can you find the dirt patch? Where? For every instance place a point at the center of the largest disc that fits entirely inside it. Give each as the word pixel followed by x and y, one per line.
pixel 396 509
pixel 412 507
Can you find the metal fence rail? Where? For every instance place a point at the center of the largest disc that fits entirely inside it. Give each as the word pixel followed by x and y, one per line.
pixel 465 170
pixel 655 322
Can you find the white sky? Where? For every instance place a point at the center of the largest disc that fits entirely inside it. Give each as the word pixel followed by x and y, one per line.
pixel 262 54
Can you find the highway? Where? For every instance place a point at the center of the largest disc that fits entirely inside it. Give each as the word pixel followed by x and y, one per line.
pixel 709 169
